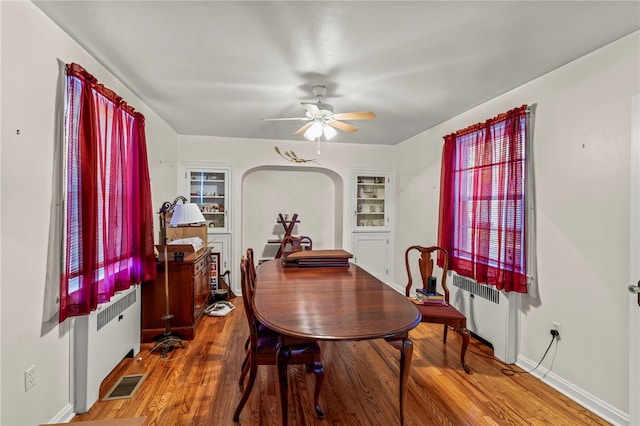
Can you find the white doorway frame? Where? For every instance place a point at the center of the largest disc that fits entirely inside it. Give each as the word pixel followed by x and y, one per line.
pixel 634 266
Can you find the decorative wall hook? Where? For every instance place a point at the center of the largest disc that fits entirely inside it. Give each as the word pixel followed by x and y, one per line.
pixel 291 156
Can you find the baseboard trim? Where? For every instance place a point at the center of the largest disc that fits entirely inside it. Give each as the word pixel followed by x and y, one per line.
pixel 571 391
pixel 64 416
pixel 587 400
pixel 396 287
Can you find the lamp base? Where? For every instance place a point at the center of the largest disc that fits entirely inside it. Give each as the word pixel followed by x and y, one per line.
pixel 167 342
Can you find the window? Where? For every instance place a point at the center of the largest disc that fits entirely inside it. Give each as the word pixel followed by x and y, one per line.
pixel 482 201
pixel 109 219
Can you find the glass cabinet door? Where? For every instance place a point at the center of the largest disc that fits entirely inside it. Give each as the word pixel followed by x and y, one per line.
pixel 371 212
pixel 208 189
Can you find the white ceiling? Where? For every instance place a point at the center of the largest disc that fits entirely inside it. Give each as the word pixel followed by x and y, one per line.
pixel 218 67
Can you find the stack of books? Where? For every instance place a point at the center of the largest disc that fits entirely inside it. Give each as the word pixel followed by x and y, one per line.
pixel 423 297
pixel 436 302
pixel 423 294
pixel 310 258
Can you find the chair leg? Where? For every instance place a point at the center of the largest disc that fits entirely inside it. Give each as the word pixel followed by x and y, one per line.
pixel 283 356
pixel 464 333
pixel 465 343
pixel 244 368
pixel 245 362
pixel 318 370
pixel 247 390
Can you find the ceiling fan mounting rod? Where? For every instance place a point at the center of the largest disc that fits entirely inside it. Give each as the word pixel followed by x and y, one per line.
pixel 319 91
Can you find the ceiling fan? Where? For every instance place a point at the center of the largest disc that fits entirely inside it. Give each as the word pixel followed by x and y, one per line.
pixel 322 120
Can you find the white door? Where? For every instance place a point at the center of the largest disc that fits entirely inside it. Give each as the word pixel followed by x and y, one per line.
pixel 634 268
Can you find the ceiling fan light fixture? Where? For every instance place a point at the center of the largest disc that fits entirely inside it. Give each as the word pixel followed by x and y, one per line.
pixel 313 132
pixel 329 132
pixel 322 120
pixel 318 129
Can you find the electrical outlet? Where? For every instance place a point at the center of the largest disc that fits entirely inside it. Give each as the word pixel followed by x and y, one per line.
pixel 29 378
pixel 555 325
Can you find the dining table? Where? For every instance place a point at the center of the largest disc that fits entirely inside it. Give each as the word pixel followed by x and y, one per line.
pixel 332 303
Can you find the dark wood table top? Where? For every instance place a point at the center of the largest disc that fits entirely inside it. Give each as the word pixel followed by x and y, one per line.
pixel 330 303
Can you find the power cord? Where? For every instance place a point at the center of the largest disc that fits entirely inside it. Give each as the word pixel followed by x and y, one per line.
pixel 555 334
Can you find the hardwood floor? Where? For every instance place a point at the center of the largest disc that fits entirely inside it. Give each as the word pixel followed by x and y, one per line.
pixel 198 385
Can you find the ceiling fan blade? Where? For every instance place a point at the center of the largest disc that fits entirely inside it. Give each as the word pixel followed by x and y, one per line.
pixel 303 129
pixel 355 116
pixel 289 118
pixel 342 126
pixel 311 107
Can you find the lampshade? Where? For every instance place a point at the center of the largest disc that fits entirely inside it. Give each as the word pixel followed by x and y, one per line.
pixel 186 214
pixel 329 132
pixel 319 128
pixel 313 132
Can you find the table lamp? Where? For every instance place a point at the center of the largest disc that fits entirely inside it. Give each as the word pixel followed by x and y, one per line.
pixel 183 214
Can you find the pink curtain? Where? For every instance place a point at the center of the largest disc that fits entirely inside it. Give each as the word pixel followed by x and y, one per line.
pixel 109 228
pixel 482 201
pixel 144 260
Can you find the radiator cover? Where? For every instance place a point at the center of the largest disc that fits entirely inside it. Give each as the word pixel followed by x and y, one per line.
pixel 100 341
pixel 491 314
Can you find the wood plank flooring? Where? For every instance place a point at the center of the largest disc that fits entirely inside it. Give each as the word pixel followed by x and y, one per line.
pixel 198 385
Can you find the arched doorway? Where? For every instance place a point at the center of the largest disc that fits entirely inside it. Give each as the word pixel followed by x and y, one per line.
pixel 315 193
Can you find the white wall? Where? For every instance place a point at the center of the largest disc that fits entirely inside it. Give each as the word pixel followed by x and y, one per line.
pixel 580 190
pixel 267 192
pixel 581 151
pixel 31 47
pixel 256 158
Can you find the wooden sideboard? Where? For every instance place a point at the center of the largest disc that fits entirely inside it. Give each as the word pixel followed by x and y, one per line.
pixel 188 296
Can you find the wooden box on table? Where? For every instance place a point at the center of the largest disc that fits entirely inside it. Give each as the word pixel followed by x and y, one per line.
pixel 179 232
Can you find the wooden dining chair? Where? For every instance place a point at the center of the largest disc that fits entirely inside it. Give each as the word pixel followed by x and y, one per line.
pixel 291 244
pixel 263 346
pixel 251 267
pixel 251 271
pixel 438 312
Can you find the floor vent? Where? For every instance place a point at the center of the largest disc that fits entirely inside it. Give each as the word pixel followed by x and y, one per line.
pixel 126 387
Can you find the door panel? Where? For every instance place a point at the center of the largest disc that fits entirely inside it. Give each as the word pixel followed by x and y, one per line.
pixel 634 267
pixel 371 252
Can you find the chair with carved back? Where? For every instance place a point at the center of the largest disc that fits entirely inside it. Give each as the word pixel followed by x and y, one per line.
pixel 263 345
pixel 251 266
pixel 291 244
pixel 437 311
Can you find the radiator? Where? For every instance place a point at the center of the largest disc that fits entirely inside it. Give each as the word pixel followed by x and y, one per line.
pixel 100 341
pixel 491 314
